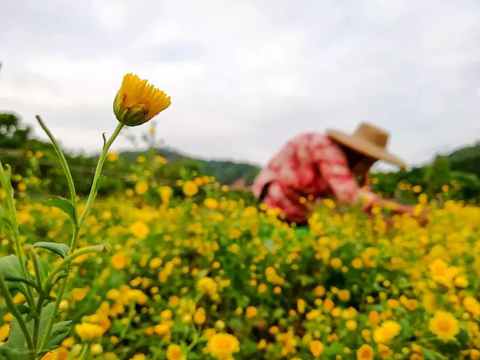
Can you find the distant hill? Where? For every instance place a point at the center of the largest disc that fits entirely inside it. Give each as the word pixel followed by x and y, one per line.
pixel 225 171
pixel 466 159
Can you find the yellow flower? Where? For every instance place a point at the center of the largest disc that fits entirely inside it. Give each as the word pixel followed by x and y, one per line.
pixel 200 316
pixel 385 352
pixel 386 332
pixel 96 349
pixel 471 305
pixel 301 304
pixel 112 156
pixel 141 187
pixel 59 354
pixel 139 229
pixel 137 101
pixel 365 352
pixel 166 314
pixel 119 261
pixel 444 325
pixel 461 281
pixel 4 332
pixel 222 346
pixel 344 295
pixel 19 298
pixel 442 273
pixel 163 328
pixel 336 263
pixel 174 352
pixel 211 203
pixel 165 194
pixel 79 294
pixel 207 286
pixel 190 188
pixel 351 325
pixel 138 357
pixel 251 312
pixel 89 331
pixel 316 348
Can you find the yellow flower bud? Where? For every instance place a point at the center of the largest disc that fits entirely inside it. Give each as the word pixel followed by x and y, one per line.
pixel 137 101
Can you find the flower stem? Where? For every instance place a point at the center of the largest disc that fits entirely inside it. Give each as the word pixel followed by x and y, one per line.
pixel 62 160
pixel 98 172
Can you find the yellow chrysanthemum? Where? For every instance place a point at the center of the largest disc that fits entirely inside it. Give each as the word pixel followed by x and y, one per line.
pixel 471 305
pixel 207 285
pixel 223 346
pixel 4 332
pixel 316 348
pixel 141 187
pixel 119 261
pixel 251 312
pixel 139 229
pixel 190 188
pixel 200 316
pixel 365 352
pixel 444 325
pixel 137 101
pixel 386 332
pixel 59 354
pixel 88 331
pixel 174 352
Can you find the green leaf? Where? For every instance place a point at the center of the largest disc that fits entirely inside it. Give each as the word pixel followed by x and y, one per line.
pixel 44 268
pixel 66 206
pixel 60 331
pixel 6 353
pixel 6 223
pixel 61 250
pixel 16 346
pixel 10 267
pixel 431 355
pixel 334 349
pixel 16 338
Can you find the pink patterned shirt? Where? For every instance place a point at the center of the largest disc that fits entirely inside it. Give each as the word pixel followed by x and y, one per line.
pixel 310 166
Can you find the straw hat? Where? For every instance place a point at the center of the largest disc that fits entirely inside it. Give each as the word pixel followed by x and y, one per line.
pixel 369 140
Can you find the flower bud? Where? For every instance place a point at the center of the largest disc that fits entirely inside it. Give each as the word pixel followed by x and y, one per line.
pixel 137 101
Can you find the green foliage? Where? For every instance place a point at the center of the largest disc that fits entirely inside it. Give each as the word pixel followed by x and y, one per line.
pixel 466 159
pixel 12 135
pixel 431 180
pixel 36 159
pixel 35 329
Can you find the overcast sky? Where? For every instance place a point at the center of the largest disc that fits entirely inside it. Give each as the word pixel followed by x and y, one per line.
pixel 245 76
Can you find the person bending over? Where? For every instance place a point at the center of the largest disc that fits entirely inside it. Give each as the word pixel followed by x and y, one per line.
pixel 313 166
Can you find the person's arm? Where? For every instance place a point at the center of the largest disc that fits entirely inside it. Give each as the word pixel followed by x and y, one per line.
pixel 334 168
pixel 369 199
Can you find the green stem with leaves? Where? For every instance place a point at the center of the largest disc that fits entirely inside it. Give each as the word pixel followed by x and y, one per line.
pixel 12 218
pixel 77 224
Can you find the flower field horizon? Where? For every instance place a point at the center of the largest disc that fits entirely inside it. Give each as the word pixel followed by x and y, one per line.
pixel 194 273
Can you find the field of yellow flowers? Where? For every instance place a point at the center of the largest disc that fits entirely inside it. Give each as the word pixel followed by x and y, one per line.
pixel 194 273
